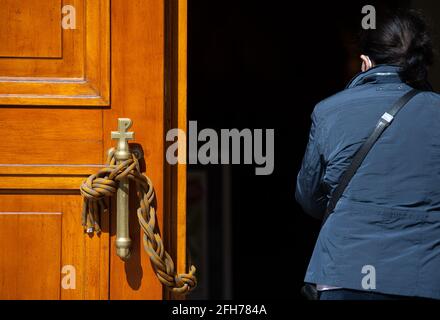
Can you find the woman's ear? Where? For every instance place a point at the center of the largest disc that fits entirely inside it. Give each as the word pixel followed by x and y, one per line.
pixel 366 63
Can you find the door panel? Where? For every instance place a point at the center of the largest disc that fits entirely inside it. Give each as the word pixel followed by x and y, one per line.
pixel 44 64
pixel 23 276
pixel 51 136
pixel 42 238
pixel 18 39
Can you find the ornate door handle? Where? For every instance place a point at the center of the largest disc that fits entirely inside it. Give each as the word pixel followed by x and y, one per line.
pixel 122 153
pixel 122 166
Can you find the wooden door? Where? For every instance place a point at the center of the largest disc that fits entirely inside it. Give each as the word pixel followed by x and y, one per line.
pixel 62 88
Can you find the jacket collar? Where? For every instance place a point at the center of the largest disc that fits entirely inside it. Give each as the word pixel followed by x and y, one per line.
pixel 378 74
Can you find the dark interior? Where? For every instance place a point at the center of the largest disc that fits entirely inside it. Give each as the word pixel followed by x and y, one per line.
pixel 255 65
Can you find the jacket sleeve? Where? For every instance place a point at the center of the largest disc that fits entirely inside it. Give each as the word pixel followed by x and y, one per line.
pixel 309 192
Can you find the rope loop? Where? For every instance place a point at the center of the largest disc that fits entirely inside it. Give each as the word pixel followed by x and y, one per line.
pixel 103 185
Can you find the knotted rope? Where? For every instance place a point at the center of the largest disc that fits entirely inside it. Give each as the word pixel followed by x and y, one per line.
pixel 104 184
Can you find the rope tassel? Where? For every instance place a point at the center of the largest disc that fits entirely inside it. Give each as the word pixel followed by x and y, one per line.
pixel 103 185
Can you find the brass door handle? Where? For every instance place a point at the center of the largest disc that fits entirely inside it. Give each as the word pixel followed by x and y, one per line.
pixel 123 241
pixel 122 166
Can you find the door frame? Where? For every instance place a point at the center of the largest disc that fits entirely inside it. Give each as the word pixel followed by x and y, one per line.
pixel 176 47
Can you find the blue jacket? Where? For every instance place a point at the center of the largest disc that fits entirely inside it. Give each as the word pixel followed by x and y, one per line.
pixel 389 215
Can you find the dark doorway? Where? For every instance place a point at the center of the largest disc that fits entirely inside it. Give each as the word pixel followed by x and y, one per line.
pixel 263 65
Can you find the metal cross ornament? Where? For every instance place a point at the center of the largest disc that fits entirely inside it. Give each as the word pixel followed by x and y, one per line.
pixel 122 149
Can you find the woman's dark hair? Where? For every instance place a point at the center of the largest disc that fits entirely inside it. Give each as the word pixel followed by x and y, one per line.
pixel 401 38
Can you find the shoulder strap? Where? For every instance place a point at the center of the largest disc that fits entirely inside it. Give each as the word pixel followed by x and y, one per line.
pixel 360 155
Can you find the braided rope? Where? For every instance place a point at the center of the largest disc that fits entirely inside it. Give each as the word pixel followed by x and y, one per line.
pixel 104 184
